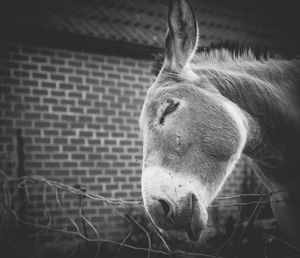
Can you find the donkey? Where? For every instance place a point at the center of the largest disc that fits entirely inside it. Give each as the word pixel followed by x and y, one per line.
pixel 203 112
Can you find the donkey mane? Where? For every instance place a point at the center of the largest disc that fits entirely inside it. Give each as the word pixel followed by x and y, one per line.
pixel 266 84
pixel 227 50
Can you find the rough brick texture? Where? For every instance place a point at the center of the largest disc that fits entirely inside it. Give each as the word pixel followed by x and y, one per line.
pixel 79 114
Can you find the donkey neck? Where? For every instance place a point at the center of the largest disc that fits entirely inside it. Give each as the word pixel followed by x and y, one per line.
pixel 266 93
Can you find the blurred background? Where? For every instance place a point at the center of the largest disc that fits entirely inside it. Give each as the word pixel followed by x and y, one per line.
pixel 73 77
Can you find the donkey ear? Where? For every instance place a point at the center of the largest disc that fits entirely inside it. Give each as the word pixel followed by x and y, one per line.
pixel 182 36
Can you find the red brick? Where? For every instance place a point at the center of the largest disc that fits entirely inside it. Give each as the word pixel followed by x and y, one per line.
pixel 78 156
pixel 66 86
pixel 85 119
pixel 30 66
pixel 77 125
pixel 82 72
pixel 39 75
pixel 78 172
pixel 42 124
pixel 127 186
pixel 69 164
pixel 103 180
pixel 18 90
pixel 110 187
pixel 30 83
pixel 20 73
pixel 50 116
pixel 50 101
pixel 68 118
pixel 48 68
pixel 108 83
pixel 11 98
pixel 78 110
pixel 74 95
pixel 91 96
pixel 40 92
pixel 50 85
pixel 86 148
pixel 121 195
pixel 84 103
pixel 56 61
pixel 122 70
pixel 61 109
pixel 81 87
pixel 60 125
pixel 96 188
pixel 92 81
pixel 75 79
pixel 87 164
pixel 100 104
pixel 94 126
pixel 111 172
pixel 52 164
pixel 60 141
pixel 129 63
pixel 103 164
pixel 51 148
pixel 33 132
pixel 88 180
pixel 55 93
pixel 42 140
pixel 19 123
pixel 68 133
pixel 129 78
pixel 119 179
pixel 114 76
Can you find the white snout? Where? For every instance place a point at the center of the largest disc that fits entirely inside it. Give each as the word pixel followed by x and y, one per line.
pixel 183 196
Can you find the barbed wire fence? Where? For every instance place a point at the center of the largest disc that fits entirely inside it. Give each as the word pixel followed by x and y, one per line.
pixel 26 183
pixel 17 192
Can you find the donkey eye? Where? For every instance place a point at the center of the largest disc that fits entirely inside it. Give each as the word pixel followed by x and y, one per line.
pixel 170 109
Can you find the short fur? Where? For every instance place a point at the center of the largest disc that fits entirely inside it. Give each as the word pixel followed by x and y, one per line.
pixel 226 103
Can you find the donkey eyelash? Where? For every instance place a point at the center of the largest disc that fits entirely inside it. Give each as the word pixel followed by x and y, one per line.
pixel 170 109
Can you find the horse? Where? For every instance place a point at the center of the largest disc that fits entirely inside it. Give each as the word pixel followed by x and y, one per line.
pixel 204 111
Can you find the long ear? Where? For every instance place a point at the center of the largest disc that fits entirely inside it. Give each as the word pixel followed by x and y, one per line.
pixel 182 36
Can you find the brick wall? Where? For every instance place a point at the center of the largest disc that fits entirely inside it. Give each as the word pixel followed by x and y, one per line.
pixel 79 116
pixel 78 113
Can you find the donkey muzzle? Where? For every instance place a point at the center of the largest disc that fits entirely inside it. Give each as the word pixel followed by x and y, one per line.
pixel 174 202
pixel 186 216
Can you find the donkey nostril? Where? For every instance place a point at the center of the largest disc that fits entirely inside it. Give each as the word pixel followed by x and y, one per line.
pixel 165 206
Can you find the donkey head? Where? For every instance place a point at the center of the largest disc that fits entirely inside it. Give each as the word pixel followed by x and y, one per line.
pixel 192 136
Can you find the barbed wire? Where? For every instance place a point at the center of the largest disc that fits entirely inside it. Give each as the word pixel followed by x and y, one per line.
pixel 28 182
